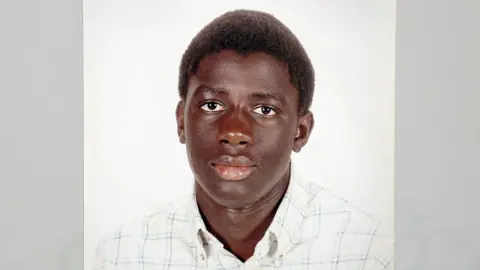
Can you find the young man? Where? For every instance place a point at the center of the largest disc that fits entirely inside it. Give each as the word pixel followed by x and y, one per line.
pixel 246 85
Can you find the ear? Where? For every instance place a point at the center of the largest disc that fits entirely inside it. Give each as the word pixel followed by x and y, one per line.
pixel 304 129
pixel 180 114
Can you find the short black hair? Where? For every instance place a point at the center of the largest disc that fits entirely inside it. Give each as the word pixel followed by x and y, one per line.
pixel 249 31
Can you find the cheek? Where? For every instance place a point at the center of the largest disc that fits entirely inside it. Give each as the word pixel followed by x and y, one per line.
pixel 199 134
pixel 276 142
pixel 199 141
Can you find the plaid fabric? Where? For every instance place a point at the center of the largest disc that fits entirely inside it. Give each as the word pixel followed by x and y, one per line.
pixel 313 229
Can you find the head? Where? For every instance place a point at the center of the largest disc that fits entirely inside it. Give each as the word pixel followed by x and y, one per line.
pixel 245 85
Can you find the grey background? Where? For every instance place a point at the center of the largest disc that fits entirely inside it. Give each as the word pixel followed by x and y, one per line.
pixel 437 135
pixel 437 139
pixel 41 135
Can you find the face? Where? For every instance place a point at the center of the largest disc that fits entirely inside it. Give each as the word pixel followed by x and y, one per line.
pixel 240 124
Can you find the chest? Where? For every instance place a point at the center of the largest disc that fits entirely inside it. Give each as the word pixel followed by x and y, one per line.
pixel 315 255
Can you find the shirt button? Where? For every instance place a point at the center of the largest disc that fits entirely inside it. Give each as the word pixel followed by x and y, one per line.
pixel 202 257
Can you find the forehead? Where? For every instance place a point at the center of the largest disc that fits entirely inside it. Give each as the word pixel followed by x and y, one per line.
pixel 228 69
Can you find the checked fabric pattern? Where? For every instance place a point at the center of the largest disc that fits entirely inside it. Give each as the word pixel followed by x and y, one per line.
pixel 313 229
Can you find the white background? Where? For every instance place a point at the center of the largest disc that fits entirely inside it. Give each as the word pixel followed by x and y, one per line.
pixel 133 160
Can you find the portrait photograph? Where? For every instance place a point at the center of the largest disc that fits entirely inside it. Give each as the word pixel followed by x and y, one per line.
pixel 252 135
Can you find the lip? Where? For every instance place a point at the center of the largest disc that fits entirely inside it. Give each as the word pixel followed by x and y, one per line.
pixel 233 168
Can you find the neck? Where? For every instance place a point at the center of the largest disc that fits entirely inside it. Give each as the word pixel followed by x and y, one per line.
pixel 245 227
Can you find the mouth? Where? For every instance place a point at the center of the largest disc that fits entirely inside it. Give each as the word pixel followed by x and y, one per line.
pixel 233 168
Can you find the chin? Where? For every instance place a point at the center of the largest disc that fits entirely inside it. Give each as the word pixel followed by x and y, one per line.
pixel 231 194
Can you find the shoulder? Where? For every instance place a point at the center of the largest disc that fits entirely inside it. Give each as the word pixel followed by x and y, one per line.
pixel 126 243
pixel 354 233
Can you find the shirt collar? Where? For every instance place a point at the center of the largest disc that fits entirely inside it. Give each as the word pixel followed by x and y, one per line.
pixel 286 223
pixel 196 220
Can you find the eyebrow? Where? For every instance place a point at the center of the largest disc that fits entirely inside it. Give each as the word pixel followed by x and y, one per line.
pixel 214 90
pixel 267 95
pixel 255 95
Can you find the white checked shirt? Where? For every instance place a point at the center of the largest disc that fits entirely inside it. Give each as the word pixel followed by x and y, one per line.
pixel 313 229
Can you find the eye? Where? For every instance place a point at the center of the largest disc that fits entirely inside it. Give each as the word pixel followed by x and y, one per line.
pixel 265 110
pixel 212 107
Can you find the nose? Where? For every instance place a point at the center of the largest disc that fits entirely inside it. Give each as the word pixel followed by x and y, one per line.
pixel 235 132
pixel 235 139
